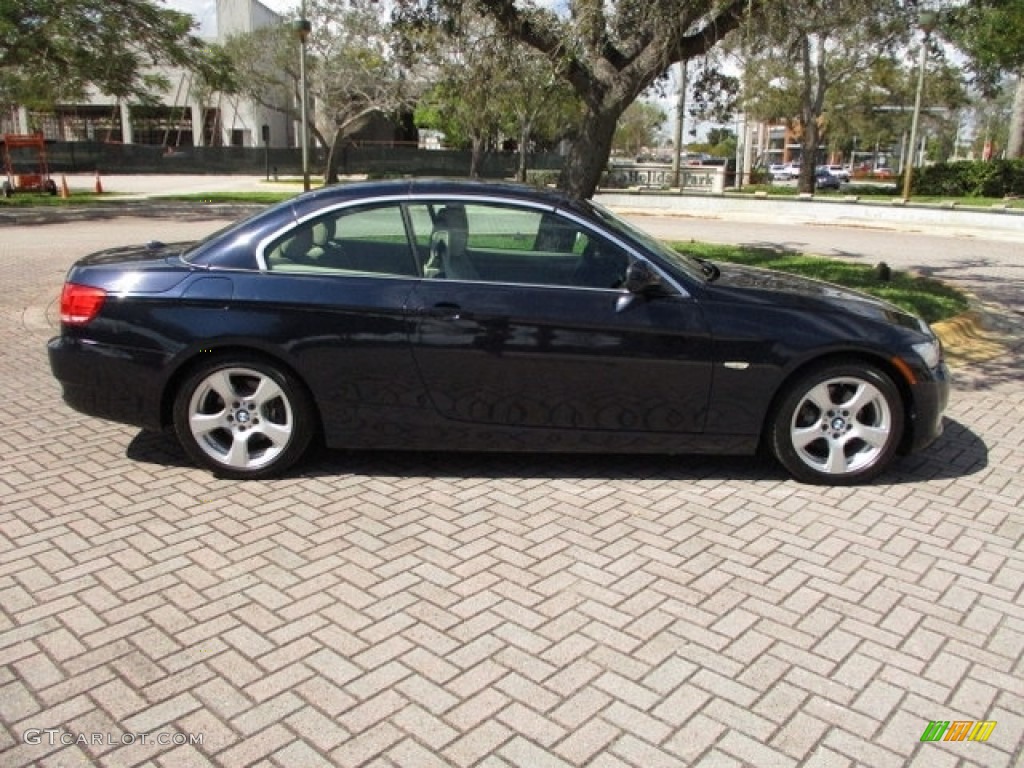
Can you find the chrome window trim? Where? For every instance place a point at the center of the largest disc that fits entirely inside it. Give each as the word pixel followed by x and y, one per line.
pixel 405 198
pixel 637 256
pixel 261 246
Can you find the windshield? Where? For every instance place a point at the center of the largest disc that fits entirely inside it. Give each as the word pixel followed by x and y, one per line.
pixel 681 261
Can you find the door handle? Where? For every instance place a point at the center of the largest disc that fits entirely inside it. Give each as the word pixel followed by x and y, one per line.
pixel 447 309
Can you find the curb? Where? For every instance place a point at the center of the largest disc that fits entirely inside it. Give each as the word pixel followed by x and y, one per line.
pixel 113 209
pixel 969 338
pixel 964 339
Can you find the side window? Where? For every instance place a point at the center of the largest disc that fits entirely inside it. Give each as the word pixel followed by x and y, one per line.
pixel 363 240
pixel 421 221
pixel 506 244
pixel 602 264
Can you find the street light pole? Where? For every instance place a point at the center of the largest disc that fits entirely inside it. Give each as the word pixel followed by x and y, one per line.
pixel 302 28
pixel 927 23
pixel 265 135
pixel 677 158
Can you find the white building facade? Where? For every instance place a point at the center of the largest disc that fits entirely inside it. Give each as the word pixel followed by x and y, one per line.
pixel 185 116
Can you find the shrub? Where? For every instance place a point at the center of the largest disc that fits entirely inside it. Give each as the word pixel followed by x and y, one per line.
pixel 995 178
pixel 542 178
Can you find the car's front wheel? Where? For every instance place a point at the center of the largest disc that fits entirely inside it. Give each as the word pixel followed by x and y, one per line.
pixel 243 417
pixel 838 425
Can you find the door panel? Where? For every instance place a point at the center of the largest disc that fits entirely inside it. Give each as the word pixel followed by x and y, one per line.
pixel 346 336
pixel 536 356
pixel 334 295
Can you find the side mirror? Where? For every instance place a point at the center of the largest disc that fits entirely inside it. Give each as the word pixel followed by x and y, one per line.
pixel 641 278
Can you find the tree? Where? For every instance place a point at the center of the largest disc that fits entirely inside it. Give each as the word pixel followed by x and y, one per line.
pixel 217 74
pixel 535 104
pixel 715 93
pixel 353 70
pixel 722 142
pixel 991 34
pixel 609 51
pixel 805 49
pixel 357 71
pixel 52 50
pixel 487 85
pixel 872 110
pixel 638 127
pixel 991 137
pixel 468 72
pixel 266 63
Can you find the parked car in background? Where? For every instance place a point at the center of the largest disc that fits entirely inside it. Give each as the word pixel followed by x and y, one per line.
pixel 452 315
pixel 839 171
pixel 824 179
pixel 785 172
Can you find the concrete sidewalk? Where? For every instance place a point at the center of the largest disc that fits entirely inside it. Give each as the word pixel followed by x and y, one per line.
pixel 142 186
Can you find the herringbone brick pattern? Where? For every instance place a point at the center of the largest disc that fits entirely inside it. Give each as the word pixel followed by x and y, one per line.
pixel 420 610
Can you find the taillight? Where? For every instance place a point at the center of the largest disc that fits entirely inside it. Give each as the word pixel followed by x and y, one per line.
pixel 79 304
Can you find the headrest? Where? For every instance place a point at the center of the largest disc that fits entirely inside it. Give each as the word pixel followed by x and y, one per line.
pixel 451 217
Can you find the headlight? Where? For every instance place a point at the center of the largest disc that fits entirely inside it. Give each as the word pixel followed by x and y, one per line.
pixel 930 352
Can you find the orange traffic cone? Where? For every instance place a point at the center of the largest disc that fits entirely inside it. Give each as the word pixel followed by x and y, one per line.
pixel 99 184
pixel 64 191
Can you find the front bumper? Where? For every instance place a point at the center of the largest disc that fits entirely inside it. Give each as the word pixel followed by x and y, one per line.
pixel 930 398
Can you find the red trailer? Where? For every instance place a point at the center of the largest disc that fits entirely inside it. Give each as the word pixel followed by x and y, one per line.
pixel 26 165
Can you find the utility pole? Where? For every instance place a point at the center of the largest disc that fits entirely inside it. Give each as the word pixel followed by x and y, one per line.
pixel 927 21
pixel 680 115
pixel 302 28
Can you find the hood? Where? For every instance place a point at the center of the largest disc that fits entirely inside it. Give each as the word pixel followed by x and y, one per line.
pixel 752 284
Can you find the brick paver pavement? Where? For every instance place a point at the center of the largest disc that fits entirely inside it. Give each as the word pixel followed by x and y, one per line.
pixel 421 610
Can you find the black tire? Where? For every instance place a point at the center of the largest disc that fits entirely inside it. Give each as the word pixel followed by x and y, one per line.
pixel 243 417
pixel 839 424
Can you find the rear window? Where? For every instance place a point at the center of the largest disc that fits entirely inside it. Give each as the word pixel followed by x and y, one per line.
pixel 234 246
pixel 365 240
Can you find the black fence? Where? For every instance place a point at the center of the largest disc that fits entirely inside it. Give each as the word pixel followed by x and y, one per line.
pixel 376 161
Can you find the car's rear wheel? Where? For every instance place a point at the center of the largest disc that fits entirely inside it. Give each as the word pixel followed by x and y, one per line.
pixel 243 417
pixel 838 425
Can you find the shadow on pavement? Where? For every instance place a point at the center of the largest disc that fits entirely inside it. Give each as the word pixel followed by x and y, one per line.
pixel 991 280
pixel 981 375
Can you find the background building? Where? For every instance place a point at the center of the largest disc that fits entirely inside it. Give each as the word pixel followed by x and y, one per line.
pixel 185 115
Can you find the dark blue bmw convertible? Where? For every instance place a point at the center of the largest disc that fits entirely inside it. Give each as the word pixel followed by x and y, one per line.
pixel 446 315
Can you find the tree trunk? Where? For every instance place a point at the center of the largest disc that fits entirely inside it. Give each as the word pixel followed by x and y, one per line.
pixel 475 157
pixel 812 95
pixel 1015 143
pixel 809 156
pixel 333 157
pixel 589 153
pixel 337 155
pixel 524 143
